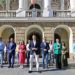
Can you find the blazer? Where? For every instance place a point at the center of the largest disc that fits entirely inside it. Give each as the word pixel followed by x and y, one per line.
pixel 56 50
pixel 43 46
pixel 37 45
pixel 11 47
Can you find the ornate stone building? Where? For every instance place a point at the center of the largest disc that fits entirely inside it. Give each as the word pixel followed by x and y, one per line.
pixel 46 18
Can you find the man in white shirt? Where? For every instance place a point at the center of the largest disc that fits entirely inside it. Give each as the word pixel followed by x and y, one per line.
pixel 34 50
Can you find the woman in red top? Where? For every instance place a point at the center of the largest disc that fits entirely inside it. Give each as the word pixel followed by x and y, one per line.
pixel 22 49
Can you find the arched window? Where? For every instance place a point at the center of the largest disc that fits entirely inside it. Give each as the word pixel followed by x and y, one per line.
pixel 37 6
pixel 67 4
pixel 9 4
pixel 14 4
pixel 55 4
pixel 2 4
pixel 35 9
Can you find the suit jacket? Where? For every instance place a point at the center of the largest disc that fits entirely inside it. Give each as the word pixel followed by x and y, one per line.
pixel 43 46
pixel 11 47
pixel 37 45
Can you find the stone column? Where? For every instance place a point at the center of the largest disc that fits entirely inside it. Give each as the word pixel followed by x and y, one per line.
pixel 47 8
pixel 23 6
pixel 20 4
pixel 46 4
pixel 62 4
pixel 72 7
pixel 72 4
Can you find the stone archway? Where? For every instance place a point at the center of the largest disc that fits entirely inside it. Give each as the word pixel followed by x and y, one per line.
pixel 6 32
pixel 66 35
pixel 36 32
pixel 34 29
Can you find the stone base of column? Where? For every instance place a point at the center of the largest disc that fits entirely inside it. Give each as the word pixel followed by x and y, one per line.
pixel 20 13
pixel 47 13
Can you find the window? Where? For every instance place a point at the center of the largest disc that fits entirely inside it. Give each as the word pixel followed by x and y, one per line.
pixel 67 4
pixel 12 6
pixel 2 4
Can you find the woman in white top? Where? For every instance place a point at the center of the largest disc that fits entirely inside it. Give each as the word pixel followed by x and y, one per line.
pixel 51 52
pixel 17 52
pixel 28 52
pixel 5 55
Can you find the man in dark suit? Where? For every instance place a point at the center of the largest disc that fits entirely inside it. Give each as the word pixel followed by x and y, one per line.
pixel 34 50
pixel 44 47
pixel 11 46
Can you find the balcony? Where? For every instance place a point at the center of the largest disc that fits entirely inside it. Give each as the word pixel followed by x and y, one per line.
pixel 56 13
pixel 29 13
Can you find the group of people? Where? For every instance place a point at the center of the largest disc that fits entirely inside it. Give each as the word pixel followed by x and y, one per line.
pixel 9 49
pixel 33 49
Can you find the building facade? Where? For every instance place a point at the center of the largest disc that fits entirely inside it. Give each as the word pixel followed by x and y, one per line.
pixel 51 19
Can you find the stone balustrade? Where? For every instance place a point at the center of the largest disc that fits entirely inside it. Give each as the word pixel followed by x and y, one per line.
pixel 30 13
pixel 7 14
pixel 60 13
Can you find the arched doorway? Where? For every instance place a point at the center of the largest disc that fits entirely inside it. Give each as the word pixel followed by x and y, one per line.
pixel 62 34
pixel 36 32
pixel 66 36
pixel 7 32
pixel 56 35
pixel 34 29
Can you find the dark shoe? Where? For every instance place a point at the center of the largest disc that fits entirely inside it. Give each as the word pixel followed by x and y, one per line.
pixel 29 71
pixel 27 65
pixel 1 66
pixel 43 67
pixel 12 66
pixel 39 71
pixel 9 66
pixel 47 67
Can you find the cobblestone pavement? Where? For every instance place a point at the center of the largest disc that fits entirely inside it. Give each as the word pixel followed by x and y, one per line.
pixel 51 71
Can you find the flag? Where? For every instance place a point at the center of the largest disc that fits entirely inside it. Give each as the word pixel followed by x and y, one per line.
pixel 33 2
